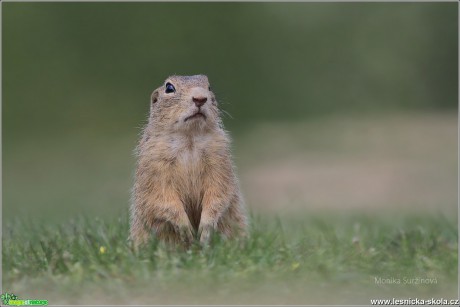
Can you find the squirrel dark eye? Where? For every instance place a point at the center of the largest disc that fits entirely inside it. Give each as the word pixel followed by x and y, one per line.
pixel 170 88
pixel 209 88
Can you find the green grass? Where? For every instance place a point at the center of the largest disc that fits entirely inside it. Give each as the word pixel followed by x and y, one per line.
pixel 286 260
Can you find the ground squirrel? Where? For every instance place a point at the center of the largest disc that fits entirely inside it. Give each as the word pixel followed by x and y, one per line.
pixel 185 184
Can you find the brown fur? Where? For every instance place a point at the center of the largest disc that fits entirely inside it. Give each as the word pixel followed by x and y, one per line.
pixel 185 183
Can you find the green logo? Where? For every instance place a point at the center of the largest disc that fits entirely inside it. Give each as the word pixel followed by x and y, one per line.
pixel 12 300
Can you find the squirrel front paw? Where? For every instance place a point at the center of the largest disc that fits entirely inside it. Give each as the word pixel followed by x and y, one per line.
pixel 185 231
pixel 204 233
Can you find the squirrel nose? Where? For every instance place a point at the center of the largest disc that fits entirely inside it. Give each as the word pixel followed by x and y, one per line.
pixel 199 101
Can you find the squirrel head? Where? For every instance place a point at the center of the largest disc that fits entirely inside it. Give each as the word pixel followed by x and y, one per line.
pixel 184 103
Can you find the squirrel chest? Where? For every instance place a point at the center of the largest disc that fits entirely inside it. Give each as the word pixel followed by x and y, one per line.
pixel 190 168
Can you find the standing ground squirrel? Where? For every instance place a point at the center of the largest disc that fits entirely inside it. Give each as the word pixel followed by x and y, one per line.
pixel 185 184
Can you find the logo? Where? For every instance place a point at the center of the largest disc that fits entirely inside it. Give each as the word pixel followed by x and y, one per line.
pixel 10 299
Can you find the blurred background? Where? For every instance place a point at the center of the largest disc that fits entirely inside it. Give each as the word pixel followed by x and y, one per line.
pixel 334 106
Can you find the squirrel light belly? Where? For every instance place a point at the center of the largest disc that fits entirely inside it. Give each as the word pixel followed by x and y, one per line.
pixel 185 183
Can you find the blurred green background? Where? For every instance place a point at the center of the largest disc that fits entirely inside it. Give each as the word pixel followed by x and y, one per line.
pixel 301 80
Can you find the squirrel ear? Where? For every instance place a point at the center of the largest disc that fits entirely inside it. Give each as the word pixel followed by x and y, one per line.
pixel 154 97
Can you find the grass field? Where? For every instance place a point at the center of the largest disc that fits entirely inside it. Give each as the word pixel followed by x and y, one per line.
pixel 296 261
pixel 336 203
